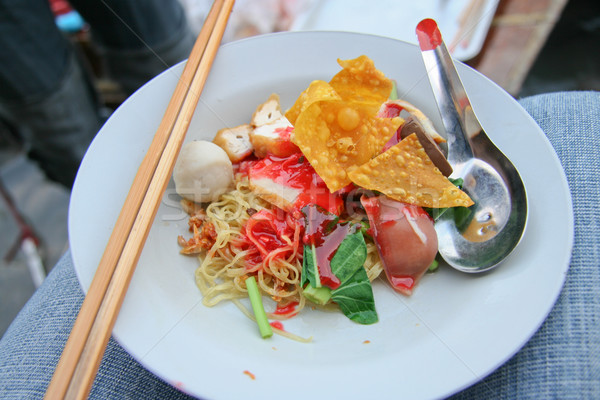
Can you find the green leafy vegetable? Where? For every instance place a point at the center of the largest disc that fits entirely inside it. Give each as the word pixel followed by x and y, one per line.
pixel 435 264
pixel 355 294
pixel 257 306
pixel 349 257
pixel 355 298
pixel 461 215
pixel 458 182
pixel 364 228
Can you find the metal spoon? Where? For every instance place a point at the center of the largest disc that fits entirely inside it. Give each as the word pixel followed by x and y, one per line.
pixel 498 217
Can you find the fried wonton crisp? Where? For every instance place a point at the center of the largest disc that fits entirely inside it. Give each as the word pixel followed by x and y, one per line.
pixel 360 81
pixel 316 91
pixel 405 173
pixel 336 136
pixel 336 124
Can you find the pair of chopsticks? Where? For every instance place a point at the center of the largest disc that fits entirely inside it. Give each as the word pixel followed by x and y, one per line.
pixel 78 365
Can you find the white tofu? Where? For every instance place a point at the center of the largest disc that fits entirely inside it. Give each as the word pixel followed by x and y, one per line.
pixel 235 142
pixel 267 112
pixel 269 139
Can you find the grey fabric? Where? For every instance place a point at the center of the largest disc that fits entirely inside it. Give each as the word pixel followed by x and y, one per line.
pixel 46 92
pixel 133 68
pixel 58 128
pixel 137 39
pixel 34 54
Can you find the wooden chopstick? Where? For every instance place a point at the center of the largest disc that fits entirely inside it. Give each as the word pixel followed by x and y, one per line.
pixel 83 351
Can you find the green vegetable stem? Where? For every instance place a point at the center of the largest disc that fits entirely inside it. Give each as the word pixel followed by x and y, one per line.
pixel 257 306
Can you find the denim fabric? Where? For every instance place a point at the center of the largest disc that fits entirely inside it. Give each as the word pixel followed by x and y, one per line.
pixel 31 348
pixel 561 361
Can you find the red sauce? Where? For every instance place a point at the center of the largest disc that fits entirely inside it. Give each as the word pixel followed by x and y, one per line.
pixel 285 146
pixel 288 309
pixel 317 224
pixel 402 282
pixel 266 230
pixel 243 167
pixel 428 34
pixel 293 171
pixel 277 325
pixel 322 230
pixel 391 110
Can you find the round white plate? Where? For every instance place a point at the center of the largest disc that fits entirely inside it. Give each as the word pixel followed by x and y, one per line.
pixel 452 332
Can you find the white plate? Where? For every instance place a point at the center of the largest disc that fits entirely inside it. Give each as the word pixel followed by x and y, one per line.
pixel 452 332
pixel 398 18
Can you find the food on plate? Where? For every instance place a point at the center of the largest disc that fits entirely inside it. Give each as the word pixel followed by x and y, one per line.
pixel 267 112
pixel 341 132
pixel 418 123
pixel 235 141
pixel 433 150
pixel 405 173
pixel 393 108
pixel 327 196
pixel 203 171
pixel 273 138
pixel 403 260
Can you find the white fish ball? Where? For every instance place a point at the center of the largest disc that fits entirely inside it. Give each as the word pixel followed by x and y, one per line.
pixel 202 172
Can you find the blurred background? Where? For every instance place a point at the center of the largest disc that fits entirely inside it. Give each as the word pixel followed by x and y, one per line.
pixel 526 47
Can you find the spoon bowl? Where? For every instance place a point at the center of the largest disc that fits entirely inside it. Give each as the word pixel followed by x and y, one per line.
pixel 479 238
